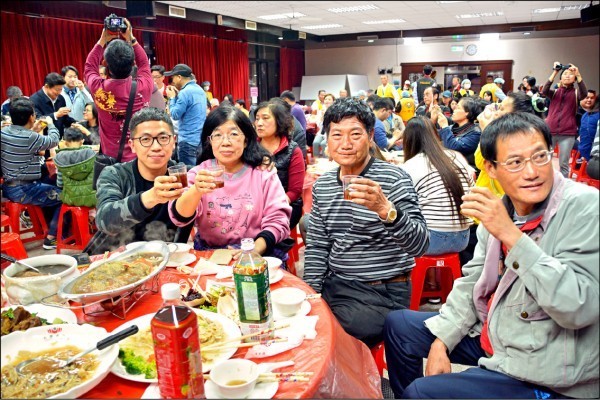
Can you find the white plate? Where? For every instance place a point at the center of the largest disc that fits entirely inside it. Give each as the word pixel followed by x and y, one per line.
pixel 305 308
pixel 47 337
pixel 278 276
pixel 48 313
pixel 231 331
pixel 133 245
pixel 263 390
pixel 185 260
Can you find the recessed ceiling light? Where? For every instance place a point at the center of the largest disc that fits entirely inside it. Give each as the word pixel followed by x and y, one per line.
pixel 488 37
pixel 273 17
pixel 370 41
pixel 526 33
pixel 365 7
pixel 384 21
pixel 546 10
pixel 326 26
pixel 411 41
pixel 573 7
pixel 481 15
pixel 280 38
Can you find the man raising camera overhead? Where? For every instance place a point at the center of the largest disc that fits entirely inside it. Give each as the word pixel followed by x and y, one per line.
pixel 119 51
pixel 562 114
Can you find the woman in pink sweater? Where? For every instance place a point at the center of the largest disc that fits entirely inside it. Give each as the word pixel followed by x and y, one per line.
pixel 252 202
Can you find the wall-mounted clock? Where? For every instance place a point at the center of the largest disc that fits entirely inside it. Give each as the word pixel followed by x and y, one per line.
pixel 471 49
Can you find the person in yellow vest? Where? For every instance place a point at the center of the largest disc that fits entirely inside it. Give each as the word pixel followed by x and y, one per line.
pixel 206 87
pixel 406 87
pixel 387 90
pixel 465 88
pixel 491 87
pixel 317 105
pixel 408 106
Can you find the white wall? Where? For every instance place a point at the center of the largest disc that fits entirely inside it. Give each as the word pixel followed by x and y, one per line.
pixel 531 57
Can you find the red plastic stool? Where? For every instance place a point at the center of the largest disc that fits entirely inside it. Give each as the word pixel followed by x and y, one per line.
pixel 378 353
pixel 293 253
pixel 583 177
pixel 442 261
pixel 12 245
pixel 5 222
pixel 39 228
pixel 573 170
pixel 80 228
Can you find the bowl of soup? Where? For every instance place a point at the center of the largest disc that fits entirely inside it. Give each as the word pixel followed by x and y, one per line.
pixel 26 286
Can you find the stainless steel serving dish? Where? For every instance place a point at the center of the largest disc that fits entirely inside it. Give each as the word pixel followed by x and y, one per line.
pixel 151 247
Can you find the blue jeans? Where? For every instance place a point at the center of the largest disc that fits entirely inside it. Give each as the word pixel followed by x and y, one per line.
pixel 38 194
pixel 447 242
pixel 188 153
pixel 407 341
pixel 319 145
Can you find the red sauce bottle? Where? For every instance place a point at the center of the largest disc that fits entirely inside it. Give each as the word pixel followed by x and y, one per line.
pixel 177 347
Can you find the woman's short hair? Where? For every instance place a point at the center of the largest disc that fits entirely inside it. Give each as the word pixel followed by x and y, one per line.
pixel 253 154
pixel 472 106
pixel 282 115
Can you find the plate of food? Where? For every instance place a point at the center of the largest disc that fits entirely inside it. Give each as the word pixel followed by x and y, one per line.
pixel 21 318
pixel 136 353
pixel 58 341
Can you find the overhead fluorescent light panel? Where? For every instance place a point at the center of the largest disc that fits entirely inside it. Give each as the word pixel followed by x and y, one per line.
pixel 481 15
pixel 384 21
pixel 365 38
pixel 365 7
pixel 326 26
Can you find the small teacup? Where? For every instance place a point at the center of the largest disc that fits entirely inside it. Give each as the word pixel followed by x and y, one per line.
pixel 178 251
pixel 288 300
pixel 274 264
pixel 235 378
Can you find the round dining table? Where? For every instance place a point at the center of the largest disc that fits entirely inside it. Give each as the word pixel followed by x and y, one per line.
pixel 342 366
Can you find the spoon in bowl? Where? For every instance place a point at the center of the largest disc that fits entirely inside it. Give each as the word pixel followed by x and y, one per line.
pixel 45 365
pixel 14 260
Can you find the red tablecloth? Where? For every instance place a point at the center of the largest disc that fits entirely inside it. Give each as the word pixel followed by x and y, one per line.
pixel 343 366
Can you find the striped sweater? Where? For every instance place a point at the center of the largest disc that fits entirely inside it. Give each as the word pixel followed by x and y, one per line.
pixel 351 241
pixel 20 148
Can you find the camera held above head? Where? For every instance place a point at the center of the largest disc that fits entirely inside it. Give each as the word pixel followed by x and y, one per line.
pixel 558 67
pixel 115 24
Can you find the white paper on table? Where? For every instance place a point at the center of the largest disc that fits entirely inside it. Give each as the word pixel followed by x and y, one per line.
pixel 305 326
pixel 210 283
pixel 273 348
pixel 152 392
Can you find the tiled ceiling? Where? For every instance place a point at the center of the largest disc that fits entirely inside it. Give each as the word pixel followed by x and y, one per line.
pixel 416 14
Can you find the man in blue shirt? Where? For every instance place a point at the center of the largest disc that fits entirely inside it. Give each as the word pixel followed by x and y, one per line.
pixel 187 104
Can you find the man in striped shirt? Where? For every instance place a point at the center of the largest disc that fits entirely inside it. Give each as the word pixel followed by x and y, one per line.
pixel 360 251
pixel 22 143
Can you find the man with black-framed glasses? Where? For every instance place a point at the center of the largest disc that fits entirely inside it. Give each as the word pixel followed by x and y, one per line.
pixel 526 309
pixel 133 196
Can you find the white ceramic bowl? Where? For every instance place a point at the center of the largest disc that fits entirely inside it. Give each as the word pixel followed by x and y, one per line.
pixel 241 372
pixel 274 265
pixel 34 289
pixel 178 251
pixel 288 300
pixel 133 245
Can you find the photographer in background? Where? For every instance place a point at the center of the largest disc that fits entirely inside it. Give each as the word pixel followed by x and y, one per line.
pixel 564 102
pixel 111 95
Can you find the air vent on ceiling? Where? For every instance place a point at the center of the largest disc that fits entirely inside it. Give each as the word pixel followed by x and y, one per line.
pixel 251 25
pixel 365 38
pixel 178 12
pixel 301 35
pixel 522 29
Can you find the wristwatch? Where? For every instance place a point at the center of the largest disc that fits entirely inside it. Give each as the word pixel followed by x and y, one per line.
pixel 391 215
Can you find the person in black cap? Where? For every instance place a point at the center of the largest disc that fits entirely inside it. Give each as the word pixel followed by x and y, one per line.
pixel 187 104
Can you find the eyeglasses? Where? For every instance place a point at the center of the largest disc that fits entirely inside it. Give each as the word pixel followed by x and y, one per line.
pixel 516 164
pixel 148 141
pixel 217 138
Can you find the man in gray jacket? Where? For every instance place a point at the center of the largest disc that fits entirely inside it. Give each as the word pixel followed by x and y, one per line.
pixel 526 309
pixel 132 197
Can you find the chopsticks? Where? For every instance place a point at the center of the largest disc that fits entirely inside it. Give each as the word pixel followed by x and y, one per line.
pixel 239 345
pixel 197 287
pixel 280 376
pixel 237 339
pixel 313 296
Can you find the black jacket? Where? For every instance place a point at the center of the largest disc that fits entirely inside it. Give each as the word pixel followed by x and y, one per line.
pixel 44 107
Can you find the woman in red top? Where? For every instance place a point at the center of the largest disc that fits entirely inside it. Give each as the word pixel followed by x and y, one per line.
pixel 274 123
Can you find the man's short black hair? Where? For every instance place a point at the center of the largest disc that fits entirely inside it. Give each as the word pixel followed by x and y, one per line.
pixel 54 79
pixel 68 68
pixel 119 57
pixel 72 135
pixel 348 107
pixel 288 94
pixel 159 68
pixel 512 124
pixel 20 109
pixel 381 102
pixel 427 69
pixel 241 102
pixel 149 114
